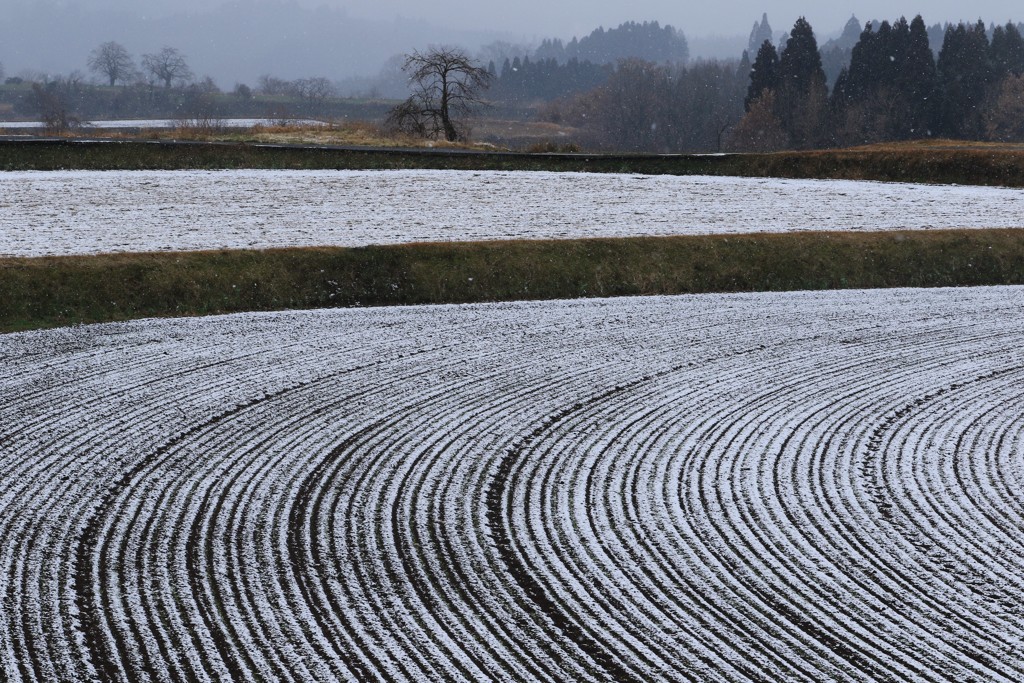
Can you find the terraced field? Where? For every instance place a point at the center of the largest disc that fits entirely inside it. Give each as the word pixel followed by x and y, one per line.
pixel 88 212
pixel 761 487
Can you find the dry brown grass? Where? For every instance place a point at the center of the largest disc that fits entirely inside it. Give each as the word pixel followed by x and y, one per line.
pixel 52 291
pixel 942 144
pixel 340 133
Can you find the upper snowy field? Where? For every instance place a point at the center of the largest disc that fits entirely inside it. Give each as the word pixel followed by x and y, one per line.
pixel 86 212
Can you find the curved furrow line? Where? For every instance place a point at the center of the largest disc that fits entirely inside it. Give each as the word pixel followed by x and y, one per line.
pixel 955 542
pixel 413 429
pixel 64 636
pixel 579 569
pixel 914 601
pixel 963 522
pixel 572 377
pixel 651 446
pixel 594 558
pixel 534 572
pixel 235 482
pixel 996 434
pixel 608 542
pixel 98 539
pixel 971 631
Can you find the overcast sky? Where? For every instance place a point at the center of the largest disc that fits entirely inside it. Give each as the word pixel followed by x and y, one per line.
pixel 721 17
pixel 574 17
pixel 240 40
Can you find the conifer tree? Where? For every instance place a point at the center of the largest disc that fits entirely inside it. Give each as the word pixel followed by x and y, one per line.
pixel 1007 51
pixel 889 90
pixel 743 69
pixel 965 74
pixel 760 33
pixel 801 99
pixel 918 81
pixel 764 75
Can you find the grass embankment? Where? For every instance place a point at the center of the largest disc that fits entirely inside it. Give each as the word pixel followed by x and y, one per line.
pixel 933 162
pixel 57 291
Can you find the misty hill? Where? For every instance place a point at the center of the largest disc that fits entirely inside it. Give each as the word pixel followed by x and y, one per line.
pixel 236 42
pixel 648 41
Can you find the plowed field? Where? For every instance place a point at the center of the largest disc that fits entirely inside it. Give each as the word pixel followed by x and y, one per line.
pixel 798 487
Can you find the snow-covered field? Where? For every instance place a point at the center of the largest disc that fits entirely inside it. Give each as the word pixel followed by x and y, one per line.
pixel 162 123
pixel 798 487
pixel 84 212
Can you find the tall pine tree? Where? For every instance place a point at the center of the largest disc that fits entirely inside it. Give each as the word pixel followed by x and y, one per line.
pixel 801 103
pixel 764 75
pixel 1007 51
pixel 965 75
pixel 917 80
pixel 888 92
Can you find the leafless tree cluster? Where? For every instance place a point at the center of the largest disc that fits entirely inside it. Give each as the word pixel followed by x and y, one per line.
pixel 446 88
pixel 313 90
pixel 657 108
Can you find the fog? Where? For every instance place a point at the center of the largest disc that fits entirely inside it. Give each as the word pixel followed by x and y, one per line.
pixel 237 41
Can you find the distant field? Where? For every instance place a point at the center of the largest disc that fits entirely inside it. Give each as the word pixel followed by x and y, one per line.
pixel 87 212
pixel 782 487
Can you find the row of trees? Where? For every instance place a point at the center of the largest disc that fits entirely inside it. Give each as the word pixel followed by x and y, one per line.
pixel 525 80
pixel 648 41
pixel 893 88
pixel 114 63
pixel 658 108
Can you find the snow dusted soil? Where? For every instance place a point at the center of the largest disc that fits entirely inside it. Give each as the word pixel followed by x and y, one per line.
pixel 85 212
pixel 814 486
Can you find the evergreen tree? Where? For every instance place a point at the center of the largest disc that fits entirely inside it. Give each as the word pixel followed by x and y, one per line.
pixel 889 90
pixel 801 101
pixel 918 81
pixel 764 75
pixel 965 74
pixel 850 35
pixel 743 69
pixel 1007 51
pixel 760 33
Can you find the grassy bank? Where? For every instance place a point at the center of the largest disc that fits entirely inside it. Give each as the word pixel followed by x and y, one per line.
pixel 931 163
pixel 58 291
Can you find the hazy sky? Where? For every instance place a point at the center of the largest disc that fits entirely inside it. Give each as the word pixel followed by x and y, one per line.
pixel 577 16
pixel 571 17
pixel 240 40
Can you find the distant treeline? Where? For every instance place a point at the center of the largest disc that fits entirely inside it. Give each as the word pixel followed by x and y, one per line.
pixel 888 86
pixel 648 40
pixel 557 69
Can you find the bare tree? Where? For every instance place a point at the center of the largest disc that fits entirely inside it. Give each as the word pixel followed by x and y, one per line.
pixel 52 102
pixel 167 66
pixel 112 61
pixel 446 87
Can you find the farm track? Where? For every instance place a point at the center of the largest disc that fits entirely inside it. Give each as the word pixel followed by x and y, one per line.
pixel 812 486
